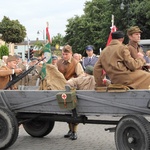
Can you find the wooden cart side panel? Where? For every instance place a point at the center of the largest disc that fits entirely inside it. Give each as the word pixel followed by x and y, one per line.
pixel 131 102
pixel 4 102
pixel 89 102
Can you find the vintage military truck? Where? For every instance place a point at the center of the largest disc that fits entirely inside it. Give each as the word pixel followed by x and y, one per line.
pixel 38 110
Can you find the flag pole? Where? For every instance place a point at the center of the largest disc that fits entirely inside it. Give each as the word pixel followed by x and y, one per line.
pixel 113 29
pixel 112 20
pixel 47 24
pixel 47 33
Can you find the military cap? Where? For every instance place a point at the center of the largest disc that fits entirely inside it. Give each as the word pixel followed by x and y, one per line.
pixel 133 29
pixel 117 35
pixel 67 49
pixel 89 69
pixel 17 56
pixel 34 59
pixel 11 58
pixel 54 57
pixel 89 48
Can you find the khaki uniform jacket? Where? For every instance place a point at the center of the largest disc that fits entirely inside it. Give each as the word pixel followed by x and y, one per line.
pixel 70 69
pixel 32 77
pixel 55 80
pixel 5 79
pixel 23 80
pixel 134 49
pixel 121 68
pixel 83 82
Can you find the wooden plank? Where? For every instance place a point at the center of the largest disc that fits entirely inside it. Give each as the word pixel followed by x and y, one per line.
pixel 89 102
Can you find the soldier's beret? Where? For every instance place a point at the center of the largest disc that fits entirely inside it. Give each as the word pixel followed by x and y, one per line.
pixel 133 29
pixel 89 69
pixel 11 58
pixel 117 35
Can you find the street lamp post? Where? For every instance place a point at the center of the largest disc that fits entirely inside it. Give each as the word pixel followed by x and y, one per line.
pixel 38 32
pixel 28 46
pixel 122 6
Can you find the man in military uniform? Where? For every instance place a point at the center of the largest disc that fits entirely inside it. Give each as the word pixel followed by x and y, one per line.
pixel 23 67
pixel 33 78
pixel 134 35
pixel 70 68
pixel 91 58
pixel 54 60
pixel 120 66
pixel 83 82
pixel 8 72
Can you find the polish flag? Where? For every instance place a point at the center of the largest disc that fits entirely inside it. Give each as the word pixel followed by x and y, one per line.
pixel 113 29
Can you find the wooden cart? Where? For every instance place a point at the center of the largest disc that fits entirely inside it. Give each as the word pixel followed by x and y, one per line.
pixel 37 111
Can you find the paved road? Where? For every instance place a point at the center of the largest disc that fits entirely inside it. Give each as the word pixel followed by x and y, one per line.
pixel 90 137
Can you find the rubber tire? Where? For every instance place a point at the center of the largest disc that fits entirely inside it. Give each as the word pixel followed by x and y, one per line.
pixel 8 128
pixel 132 132
pixel 38 128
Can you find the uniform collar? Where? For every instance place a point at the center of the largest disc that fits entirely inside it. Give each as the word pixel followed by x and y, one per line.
pixel 91 56
pixel 115 42
pixel 134 44
pixel 69 61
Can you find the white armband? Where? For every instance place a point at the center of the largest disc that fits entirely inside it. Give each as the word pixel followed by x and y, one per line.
pixel 13 71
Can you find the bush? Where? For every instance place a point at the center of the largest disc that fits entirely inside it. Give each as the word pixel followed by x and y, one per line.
pixel 4 51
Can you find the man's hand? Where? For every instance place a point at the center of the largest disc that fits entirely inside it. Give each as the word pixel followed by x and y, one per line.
pixel 140 55
pixel 18 70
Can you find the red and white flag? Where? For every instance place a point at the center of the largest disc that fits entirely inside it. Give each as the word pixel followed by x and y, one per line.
pixel 48 35
pixel 113 29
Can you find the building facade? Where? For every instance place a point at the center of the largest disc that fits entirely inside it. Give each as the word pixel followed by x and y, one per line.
pixel 23 47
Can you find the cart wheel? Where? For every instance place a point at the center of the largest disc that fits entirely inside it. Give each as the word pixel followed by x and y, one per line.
pixel 133 133
pixel 38 128
pixel 8 128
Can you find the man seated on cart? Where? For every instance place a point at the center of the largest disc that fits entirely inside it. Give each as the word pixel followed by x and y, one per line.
pixel 121 68
pixel 83 82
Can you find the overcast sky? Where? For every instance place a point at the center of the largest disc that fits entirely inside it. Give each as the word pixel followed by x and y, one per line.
pixel 33 14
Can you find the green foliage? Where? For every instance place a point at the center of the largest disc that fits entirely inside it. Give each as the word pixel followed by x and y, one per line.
pixel 135 12
pixel 58 39
pixel 4 51
pixel 39 45
pixel 12 31
pixel 93 27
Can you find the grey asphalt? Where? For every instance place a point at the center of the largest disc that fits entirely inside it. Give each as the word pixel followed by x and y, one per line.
pixel 90 137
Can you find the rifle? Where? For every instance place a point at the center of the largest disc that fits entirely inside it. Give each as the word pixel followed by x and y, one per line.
pixel 20 76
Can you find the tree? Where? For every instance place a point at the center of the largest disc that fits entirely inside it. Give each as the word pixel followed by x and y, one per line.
pixel 75 33
pixel 12 31
pixel 133 13
pixel 39 45
pixel 58 39
pixel 93 26
pixel 4 51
